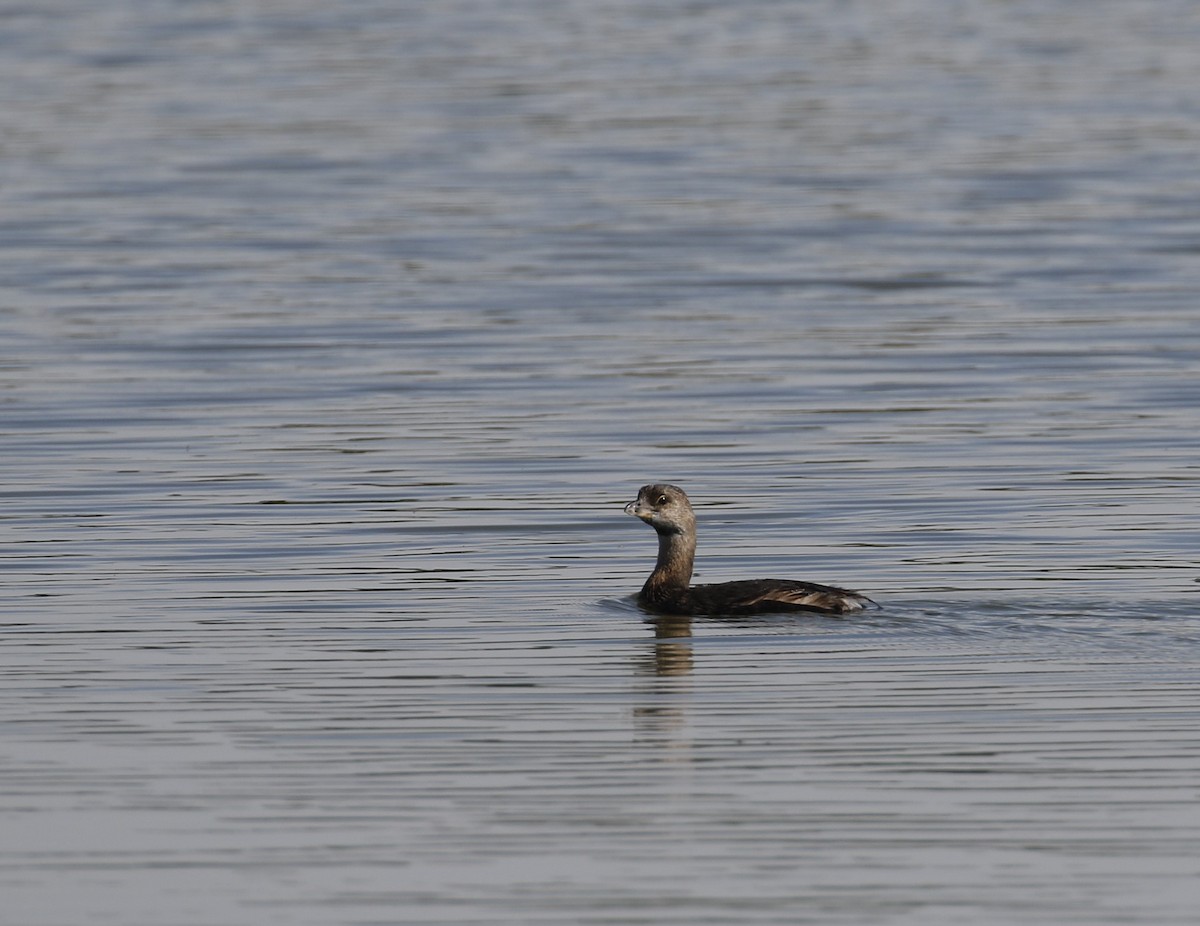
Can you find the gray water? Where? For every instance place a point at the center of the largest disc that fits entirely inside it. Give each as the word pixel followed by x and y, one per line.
pixel 336 335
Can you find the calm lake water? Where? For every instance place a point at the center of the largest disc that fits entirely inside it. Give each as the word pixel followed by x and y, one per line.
pixel 336 335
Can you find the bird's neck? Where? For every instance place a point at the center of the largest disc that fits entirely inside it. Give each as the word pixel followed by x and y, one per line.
pixel 673 570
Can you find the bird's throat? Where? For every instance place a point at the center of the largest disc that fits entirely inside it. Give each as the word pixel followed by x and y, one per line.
pixel 673 570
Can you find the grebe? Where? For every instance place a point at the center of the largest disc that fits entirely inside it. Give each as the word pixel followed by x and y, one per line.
pixel 666 508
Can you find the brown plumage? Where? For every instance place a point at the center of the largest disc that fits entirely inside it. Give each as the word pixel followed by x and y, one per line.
pixel 668 591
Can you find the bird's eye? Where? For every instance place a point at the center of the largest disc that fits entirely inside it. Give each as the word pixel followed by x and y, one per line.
pixel 662 500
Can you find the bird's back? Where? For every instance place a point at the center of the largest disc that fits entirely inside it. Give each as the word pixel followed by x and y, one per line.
pixel 760 596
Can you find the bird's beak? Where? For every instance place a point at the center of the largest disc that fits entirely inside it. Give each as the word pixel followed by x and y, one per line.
pixel 635 508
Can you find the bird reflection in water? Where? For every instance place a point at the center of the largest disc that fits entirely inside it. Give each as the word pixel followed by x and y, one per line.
pixel 672 645
pixel 661 718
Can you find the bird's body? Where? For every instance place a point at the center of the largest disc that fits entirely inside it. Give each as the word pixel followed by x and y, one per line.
pixel 667 509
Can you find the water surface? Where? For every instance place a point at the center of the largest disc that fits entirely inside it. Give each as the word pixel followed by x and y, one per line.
pixel 337 336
